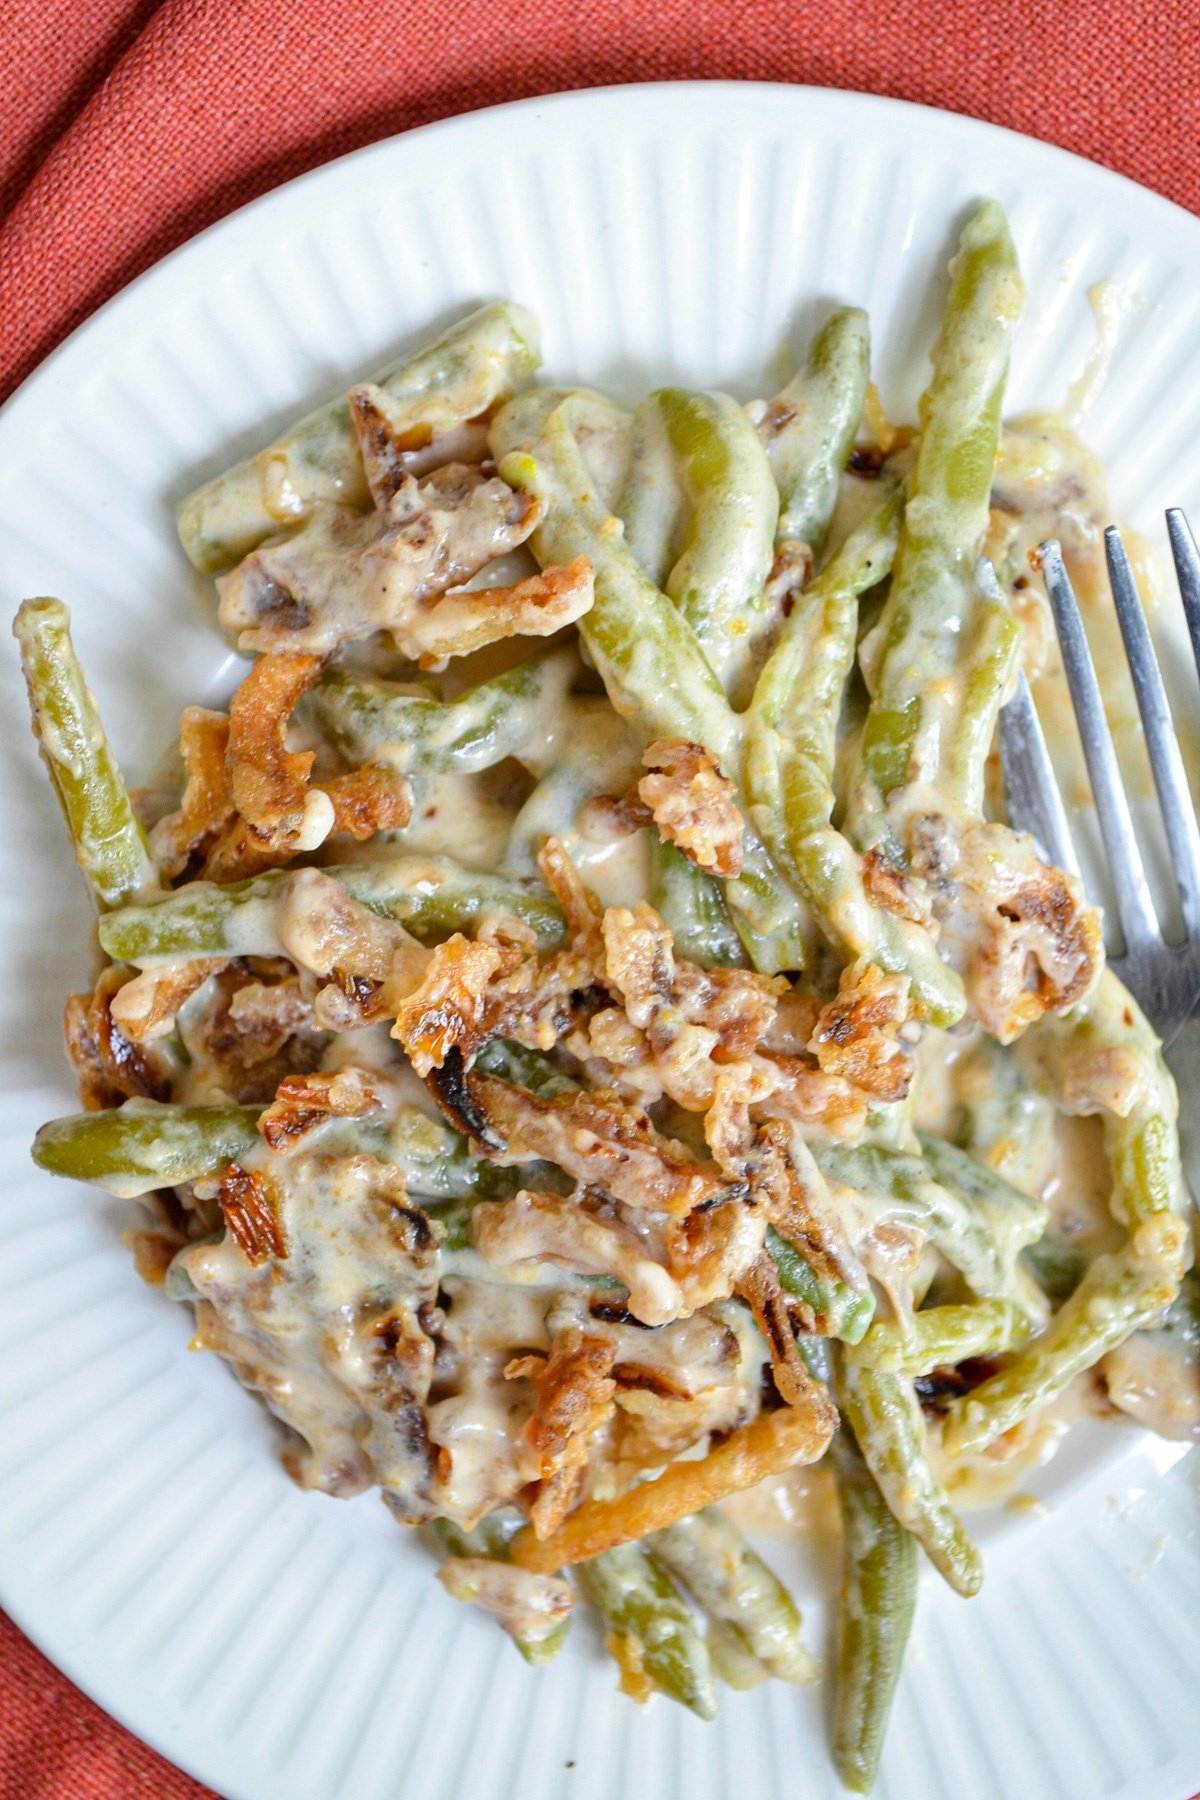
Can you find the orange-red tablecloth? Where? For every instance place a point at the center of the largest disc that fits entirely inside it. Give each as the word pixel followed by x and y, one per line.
pixel 127 125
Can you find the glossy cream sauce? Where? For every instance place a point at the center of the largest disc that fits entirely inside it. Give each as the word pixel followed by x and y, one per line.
pixel 307 1334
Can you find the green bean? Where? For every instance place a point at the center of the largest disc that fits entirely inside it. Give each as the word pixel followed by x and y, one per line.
pixel 526 1068
pixel 730 1663
pixel 595 754
pixel 1120 1293
pixel 456 377
pixel 1009 1211
pixel 692 906
pixel 1057 1266
pixel 110 845
pixel 651 504
pixel 788 765
pixel 604 432
pixel 146 1144
pixel 1142 1145
pixel 654 670
pixel 874 1617
pixel 942 1335
pixel 809 428
pixel 946 648
pixel 1006 1122
pixel 710 1557
pixel 430 895
pixel 539 1642
pixel 1124 1291
pixel 143 1145
pixel 651 1632
pixel 839 1309
pixel 981 1244
pixel 367 719
pixel 886 1419
pixel 718 579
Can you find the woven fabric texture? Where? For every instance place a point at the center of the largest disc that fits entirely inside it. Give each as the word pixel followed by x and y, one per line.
pixel 128 125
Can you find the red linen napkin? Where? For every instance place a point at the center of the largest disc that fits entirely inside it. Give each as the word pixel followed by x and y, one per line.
pixel 127 125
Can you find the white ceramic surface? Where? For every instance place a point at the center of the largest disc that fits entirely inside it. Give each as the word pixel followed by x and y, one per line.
pixel 281 1644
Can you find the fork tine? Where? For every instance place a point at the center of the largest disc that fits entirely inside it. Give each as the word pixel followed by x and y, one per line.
pixel 1187 567
pixel 1135 914
pixel 1035 801
pixel 1174 796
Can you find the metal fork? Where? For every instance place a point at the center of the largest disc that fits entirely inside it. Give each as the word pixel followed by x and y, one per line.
pixel 1163 978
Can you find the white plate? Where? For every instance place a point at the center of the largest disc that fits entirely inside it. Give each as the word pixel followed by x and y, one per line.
pixel 280 1644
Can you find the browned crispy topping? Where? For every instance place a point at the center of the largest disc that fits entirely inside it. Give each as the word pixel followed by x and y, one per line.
pixel 145 1007
pixel 595 1138
pixel 692 804
pixel 371 963
pixel 814 1097
pixel 302 1102
pixel 384 450
pixel 268 782
pixel 249 1033
pixel 369 799
pixel 344 575
pixel 585 1231
pixel 860 1034
pixel 248 1202
pixel 894 891
pixel 538 606
pixel 760 1288
pixel 580 908
pixel 109 1066
pixel 248 804
pixel 797 1203
pixel 450 1008
pixel 710 1250
pixel 206 807
pixel 575 1397
pixel 1023 934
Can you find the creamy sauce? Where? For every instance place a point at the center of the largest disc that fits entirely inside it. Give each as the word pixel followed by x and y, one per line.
pixel 416 1368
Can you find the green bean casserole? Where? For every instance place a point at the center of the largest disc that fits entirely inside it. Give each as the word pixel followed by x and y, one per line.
pixel 575 1082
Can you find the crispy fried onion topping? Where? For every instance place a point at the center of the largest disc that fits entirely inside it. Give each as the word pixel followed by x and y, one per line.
pixel 344 575
pixel 575 1393
pixel 391 452
pixel 760 1288
pixel 110 1065
pixel 522 1390
pixel 866 1032
pixel 248 1201
pixel 771 1443
pixel 303 1102
pixel 250 1025
pixel 145 1008
pixel 692 803
pixel 644 1026
pixel 248 802
pixel 594 1137
pixel 585 1231
pixel 1022 934
pixel 369 964
pixel 798 1203
pixel 453 1008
